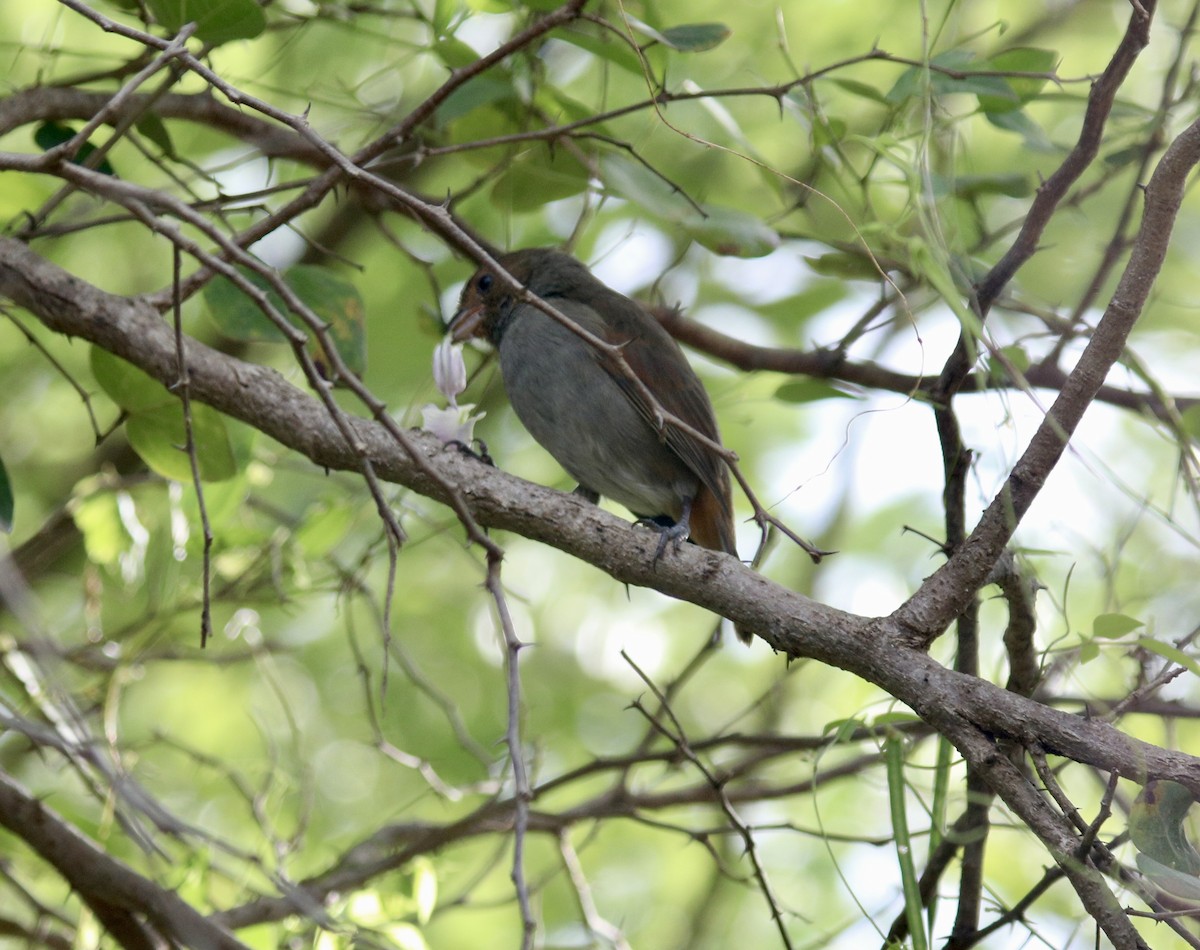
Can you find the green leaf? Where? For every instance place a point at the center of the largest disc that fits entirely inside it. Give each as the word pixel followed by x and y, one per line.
pixel 333 299
pixel 158 436
pixel 1025 127
pixel 843 730
pixel 480 91
pixel 338 303
pixel 1013 185
pixel 455 54
pixel 1111 626
pixel 1156 825
pixel 1013 356
pixel 425 889
pixel 722 230
pixel 533 180
pixel 695 37
pixel 1178 884
pixel 322 529
pixel 1169 652
pixel 810 390
pixel 1019 89
pixel 861 89
pixel 126 385
pixel 217 21
pixel 236 315
pixel 1190 418
pixel 731 232
pixel 6 501
pixel 152 127
pixel 910 83
pixel 50 135
pixel 844 264
pixel 893 750
pixel 617 52
pixel 99 522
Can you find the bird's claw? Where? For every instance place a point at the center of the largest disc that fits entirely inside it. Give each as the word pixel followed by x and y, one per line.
pixel 672 534
pixel 467 449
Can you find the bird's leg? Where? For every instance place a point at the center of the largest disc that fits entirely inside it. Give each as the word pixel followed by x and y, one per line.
pixel 587 494
pixel 466 449
pixel 673 534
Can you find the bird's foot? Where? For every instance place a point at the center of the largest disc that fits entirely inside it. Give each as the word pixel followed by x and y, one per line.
pixel 669 532
pixel 587 494
pixel 466 449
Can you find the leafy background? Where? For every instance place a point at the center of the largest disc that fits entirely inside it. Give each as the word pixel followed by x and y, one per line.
pixel 795 155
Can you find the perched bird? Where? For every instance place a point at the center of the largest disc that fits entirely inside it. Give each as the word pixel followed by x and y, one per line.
pixel 586 413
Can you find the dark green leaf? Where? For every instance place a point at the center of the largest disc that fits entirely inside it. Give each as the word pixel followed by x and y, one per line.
pixel 338 303
pixel 332 299
pixel 153 127
pixel 480 91
pixel 912 80
pixel 6 500
pixel 50 135
pixel 1191 422
pixel 239 317
pixel 1156 826
pixel 217 21
pixel 695 37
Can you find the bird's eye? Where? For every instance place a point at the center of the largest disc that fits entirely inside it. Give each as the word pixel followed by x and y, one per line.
pixel 484 283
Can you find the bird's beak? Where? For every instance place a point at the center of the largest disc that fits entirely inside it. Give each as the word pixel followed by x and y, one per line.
pixel 467 323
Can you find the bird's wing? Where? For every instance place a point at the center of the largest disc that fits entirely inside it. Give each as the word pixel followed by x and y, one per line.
pixel 657 361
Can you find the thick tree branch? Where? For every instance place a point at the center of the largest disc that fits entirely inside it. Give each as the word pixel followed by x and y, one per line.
pixel 871 648
pixel 944 595
pixel 133 908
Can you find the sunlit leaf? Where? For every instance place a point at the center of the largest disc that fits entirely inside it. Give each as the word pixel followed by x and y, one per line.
pixel 158 436
pixel 1169 652
pixel 1111 626
pixel 126 385
pixel 425 889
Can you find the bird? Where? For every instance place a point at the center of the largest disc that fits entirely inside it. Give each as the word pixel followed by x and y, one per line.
pixel 580 406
